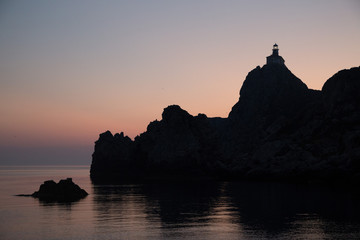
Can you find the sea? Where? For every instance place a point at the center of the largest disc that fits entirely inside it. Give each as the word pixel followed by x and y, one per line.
pixel 174 210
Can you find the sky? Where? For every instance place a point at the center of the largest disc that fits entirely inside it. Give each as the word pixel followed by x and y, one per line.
pixel 70 70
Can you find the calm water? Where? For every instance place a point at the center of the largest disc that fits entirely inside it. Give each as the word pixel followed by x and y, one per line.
pixel 174 211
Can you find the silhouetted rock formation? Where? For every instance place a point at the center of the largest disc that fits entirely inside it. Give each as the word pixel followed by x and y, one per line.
pixel 65 191
pixel 313 135
pixel 279 129
pixel 179 145
pixel 268 93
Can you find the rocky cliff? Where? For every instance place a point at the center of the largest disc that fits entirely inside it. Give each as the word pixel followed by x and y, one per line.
pixel 279 129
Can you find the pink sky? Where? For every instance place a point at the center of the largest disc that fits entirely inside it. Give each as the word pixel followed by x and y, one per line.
pixel 71 70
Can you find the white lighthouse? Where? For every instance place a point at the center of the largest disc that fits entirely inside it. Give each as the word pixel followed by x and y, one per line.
pixel 275 58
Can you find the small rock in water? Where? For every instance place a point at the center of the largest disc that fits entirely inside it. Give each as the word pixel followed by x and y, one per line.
pixel 65 190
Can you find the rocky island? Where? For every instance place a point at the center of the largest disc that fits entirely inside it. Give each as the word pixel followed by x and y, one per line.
pixel 278 130
pixel 63 191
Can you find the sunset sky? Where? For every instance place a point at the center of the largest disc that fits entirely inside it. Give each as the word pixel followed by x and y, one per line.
pixel 70 70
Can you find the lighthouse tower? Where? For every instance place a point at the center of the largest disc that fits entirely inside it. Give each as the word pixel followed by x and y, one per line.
pixel 275 58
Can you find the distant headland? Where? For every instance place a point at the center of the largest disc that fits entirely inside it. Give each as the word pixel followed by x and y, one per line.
pixel 278 130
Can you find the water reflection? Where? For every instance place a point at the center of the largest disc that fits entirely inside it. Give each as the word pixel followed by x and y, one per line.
pixel 181 203
pixel 175 203
pixel 277 209
pixel 61 205
pixel 260 210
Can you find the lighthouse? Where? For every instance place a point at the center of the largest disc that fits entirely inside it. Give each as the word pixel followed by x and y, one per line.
pixel 274 58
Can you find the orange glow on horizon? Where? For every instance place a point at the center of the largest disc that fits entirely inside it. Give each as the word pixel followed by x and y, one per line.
pixel 65 82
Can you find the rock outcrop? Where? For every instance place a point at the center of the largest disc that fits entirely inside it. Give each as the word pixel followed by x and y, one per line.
pixel 63 191
pixel 178 146
pixel 279 129
pixel 268 93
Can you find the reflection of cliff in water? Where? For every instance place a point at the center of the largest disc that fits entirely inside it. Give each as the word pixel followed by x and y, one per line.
pixel 183 203
pixel 276 208
pixel 271 208
pixel 172 203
